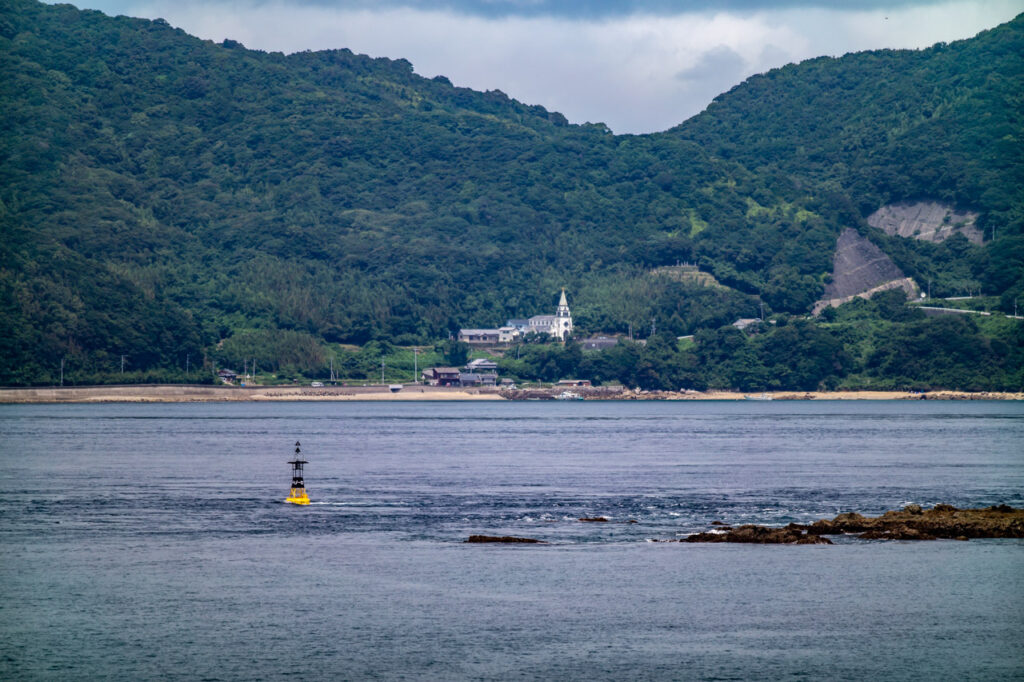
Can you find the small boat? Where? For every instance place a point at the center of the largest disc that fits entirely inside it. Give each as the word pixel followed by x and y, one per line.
pixel 568 395
pixel 763 396
pixel 298 492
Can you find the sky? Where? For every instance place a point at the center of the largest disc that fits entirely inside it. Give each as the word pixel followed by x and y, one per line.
pixel 637 66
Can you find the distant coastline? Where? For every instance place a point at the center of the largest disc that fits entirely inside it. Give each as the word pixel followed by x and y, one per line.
pixel 194 393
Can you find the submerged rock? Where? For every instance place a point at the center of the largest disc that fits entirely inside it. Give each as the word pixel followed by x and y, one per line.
pixel 503 539
pixel 594 519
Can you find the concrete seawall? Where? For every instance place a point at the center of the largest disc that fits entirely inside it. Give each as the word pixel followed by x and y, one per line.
pixel 196 393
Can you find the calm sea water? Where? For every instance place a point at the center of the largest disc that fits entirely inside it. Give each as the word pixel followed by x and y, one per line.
pixel 151 541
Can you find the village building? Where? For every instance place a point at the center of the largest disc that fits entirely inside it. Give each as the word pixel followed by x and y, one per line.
pixel 482 365
pixel 441 376
pixel 599 342
pixel 480 337
pixel 478 379
pixel 745 322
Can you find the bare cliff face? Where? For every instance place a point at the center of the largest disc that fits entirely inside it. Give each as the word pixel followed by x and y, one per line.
pixel 859 268
pixel 926 220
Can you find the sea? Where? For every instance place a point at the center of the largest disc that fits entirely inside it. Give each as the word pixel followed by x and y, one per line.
pixel 152 541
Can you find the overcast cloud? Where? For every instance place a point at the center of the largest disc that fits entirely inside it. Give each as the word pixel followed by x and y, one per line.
pixel 636 65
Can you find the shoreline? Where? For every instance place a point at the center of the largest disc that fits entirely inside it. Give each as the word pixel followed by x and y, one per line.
pixel 184 393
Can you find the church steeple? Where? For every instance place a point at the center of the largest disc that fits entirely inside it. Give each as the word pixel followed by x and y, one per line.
pixel 563 318
pixel 563 306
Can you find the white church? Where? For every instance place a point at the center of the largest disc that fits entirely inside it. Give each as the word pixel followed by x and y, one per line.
pixel 557 326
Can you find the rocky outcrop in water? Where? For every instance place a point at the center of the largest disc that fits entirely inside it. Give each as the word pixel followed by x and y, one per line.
pixel 507 539
pixel 910 523
pixel 792 534
pixel 941 521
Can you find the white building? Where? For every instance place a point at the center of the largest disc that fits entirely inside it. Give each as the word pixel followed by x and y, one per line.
pixel 558 326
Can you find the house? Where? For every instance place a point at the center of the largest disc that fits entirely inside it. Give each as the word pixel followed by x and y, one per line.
pixel 599 342
pixel 441 376
pixel 474 379
pixel 480 337
pixel 573 382
pixel 227 376
pixel 482 365
pixel 751 324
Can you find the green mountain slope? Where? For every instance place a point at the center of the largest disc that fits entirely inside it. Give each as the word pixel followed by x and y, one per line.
pixel 161 193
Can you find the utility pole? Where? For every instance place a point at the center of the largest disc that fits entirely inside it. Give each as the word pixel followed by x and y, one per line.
pixel 654 327
pixel 122 364
pixel 186 363
pixel 62 371
pixel 415 365
pixel 762 310
pixel 382 371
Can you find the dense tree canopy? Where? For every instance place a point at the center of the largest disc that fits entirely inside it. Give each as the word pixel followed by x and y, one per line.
pixel 174 200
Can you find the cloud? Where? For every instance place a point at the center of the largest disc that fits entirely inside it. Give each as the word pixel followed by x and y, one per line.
pixel 718 62
pixel 638 66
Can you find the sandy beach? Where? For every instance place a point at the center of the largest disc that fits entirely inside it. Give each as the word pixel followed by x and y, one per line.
pixel 190 393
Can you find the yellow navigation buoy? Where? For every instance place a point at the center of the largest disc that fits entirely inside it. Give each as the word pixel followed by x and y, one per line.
pixel 298 493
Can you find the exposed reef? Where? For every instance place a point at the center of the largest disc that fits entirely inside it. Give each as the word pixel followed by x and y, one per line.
pixel 941 521
pixel 507 539
pixel 910 523
pixel 792 534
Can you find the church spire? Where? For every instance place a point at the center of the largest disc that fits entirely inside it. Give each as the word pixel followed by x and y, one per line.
pixel 563 318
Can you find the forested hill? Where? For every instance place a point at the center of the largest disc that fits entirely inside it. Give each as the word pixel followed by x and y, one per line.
pixel 161 194
pixel 889 125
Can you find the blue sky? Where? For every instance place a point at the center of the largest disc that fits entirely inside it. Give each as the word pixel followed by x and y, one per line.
pixel 636 65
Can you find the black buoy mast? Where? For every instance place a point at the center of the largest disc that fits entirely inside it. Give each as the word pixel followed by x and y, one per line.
pixel 298 492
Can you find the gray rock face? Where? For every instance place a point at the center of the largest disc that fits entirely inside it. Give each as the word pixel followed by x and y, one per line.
pixel 926 220
pixel 859 266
